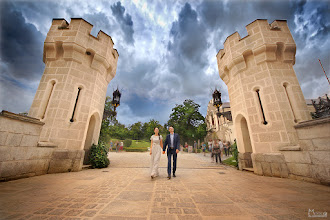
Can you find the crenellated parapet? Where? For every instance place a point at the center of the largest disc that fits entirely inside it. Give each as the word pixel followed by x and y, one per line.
pixel 73 42
pixel 266 42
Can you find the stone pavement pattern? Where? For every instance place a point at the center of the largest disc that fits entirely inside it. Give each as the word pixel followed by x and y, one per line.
pixel 201 190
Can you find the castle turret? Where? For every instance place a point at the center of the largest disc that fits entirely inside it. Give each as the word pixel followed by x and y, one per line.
pixel 71 94
pixel 265 96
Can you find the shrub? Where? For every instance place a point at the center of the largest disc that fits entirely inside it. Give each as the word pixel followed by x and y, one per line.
pixel 234 152
pixel 231 161
pixel 98 156
pixel 127 142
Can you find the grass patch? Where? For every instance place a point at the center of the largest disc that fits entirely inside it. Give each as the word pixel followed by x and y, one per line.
pixel 231 161
pixel 140 144
pixel 134 149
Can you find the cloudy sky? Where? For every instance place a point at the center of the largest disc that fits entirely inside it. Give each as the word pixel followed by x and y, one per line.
pixel 166 48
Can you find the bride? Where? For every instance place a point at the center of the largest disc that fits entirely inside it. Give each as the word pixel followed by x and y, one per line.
pixel 155 152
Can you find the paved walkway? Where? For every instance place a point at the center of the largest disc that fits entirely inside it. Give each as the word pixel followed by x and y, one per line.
pixel 201 190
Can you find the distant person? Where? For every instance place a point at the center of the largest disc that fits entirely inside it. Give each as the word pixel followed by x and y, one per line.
pixel 228 148
pixel 156 147
pixel 117 146
pixel 121 146
pixel 186 146
pixel 203 148
pixel 216 152
pixel 220 146
pixel 210 145
pixel 111 145
pixel 172 142
pixel 195 146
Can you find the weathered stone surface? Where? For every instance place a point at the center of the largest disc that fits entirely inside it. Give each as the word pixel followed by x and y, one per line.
pixel 128 208
pixel 210 198
pixel 266 170
pixel 322 144
pixel 276 169
pixel 274 157
pixel 284 170
pixel 306 145
pixel 321 172
pixel 138 196
pixel 258 157
pixel 314 130
pixel 96 193
pixel 29 141
pixel 60 165
pixel 320 157
pixel 3 138
pixel 14 140
pixel 297 157
pixel 299 169
pixel 257 168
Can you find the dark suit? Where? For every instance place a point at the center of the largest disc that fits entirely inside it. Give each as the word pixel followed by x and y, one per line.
pixel 171 150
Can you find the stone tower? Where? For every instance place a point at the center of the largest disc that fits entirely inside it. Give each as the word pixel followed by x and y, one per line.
pixel 71 94
pixel 265 97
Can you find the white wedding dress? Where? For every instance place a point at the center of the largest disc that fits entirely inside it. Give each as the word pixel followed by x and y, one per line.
pixel 156 152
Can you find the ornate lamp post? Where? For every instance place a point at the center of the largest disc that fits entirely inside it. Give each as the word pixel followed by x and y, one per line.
pixel 116 98
pixel 217 99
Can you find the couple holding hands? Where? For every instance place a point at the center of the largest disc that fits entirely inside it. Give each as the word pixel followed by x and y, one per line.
pixel 172 142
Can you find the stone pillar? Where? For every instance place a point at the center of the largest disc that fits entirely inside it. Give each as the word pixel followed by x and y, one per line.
pixel 71 94
pixel 265 96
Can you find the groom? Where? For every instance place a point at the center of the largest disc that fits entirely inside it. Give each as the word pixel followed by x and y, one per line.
pixel 173 143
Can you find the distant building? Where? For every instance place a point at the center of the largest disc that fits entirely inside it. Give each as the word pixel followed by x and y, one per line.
pixel 221 126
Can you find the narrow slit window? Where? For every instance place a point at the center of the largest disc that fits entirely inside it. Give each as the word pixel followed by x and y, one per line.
pixel 287 95
pixel 75 106
pixel 48 94
pixel 261 108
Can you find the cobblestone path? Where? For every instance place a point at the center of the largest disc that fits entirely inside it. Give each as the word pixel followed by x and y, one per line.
pixel 201 190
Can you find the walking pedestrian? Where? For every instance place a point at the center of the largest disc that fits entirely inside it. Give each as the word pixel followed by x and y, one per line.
pixel 228 148
pixel 203 148
pixel 221 147
pixel 117 146
pixel 216 152
pixel 195 146
pixel 111 145
pixel 210 145
pixel 156 147
pixel 121 146
pixel 172 142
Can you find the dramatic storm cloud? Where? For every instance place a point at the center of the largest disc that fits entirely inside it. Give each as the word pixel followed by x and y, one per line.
pixel 166 49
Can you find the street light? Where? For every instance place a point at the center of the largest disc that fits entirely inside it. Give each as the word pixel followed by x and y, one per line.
pixel 217 99
pixel 116 98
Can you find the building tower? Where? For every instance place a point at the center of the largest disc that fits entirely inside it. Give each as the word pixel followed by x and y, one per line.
pixel 265 97
pixel 71 94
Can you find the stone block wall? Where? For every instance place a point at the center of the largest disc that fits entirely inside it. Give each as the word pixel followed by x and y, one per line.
pixel 23 155
pixel 20 155
pixel 262 85
pixel 73 86
pixel 309 160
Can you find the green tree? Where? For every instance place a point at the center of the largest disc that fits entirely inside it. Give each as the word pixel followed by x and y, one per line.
pixel 109 118
pixel 136 131
pixel 148 128
pixel 187 121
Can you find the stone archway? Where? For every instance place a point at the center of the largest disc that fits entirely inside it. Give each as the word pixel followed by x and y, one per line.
pixel 243 143
pixel 91 136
